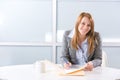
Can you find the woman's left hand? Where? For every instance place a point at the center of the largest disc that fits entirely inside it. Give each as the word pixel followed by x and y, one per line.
pixel 89 66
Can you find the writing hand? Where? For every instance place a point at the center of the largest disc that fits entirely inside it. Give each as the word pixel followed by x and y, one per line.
pixel 67 65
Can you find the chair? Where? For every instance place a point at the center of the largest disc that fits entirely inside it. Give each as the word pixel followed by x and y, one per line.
pixel 104 59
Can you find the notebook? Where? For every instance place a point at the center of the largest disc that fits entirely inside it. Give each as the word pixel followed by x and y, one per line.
pixel 74 70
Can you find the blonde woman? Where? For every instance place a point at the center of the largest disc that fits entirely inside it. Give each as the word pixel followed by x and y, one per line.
pixel 82 45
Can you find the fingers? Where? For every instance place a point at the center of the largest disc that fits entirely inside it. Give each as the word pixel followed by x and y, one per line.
pixel 89 66
pixel 67 65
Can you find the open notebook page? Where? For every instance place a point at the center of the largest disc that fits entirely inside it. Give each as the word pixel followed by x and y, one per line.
pixel 74 68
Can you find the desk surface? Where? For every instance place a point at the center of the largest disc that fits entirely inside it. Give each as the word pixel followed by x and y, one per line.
pixel 28 72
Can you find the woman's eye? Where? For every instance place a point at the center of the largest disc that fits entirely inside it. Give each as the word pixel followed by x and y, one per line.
pixel 88 25
pixel 83 23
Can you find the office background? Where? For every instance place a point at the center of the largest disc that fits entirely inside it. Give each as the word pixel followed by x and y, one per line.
pixel 32 30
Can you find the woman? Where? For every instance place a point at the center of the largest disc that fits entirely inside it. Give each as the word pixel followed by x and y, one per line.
pixel 82 45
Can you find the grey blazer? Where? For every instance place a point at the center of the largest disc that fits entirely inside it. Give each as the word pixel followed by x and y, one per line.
pixel 69 54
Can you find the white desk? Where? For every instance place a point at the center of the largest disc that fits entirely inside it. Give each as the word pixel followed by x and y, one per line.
pixel 27 72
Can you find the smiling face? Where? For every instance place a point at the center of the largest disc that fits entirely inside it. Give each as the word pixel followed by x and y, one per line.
pixel 84 26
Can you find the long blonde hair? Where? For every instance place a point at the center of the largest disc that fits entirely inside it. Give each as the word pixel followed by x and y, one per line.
pixel 89 35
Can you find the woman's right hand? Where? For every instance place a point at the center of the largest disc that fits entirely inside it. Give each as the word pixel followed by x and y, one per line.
pixel 67 65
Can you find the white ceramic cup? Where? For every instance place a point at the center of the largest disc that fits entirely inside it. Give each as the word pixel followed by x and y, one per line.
pixel 40 66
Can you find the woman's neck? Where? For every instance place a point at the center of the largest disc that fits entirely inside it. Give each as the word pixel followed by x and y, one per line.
pixel 82 38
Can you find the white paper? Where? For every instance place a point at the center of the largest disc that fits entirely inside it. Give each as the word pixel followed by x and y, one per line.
pixel 73 68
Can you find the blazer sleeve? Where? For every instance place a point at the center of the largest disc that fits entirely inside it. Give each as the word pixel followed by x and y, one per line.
pixel 97 56
pixel 65 57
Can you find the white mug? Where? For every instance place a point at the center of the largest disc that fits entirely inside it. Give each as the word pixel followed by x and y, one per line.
pixel 40 66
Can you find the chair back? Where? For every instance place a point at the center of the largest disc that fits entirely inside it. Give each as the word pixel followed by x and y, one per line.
pixel 104 59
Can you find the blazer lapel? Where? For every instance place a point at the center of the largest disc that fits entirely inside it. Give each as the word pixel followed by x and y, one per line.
pixel 90 54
